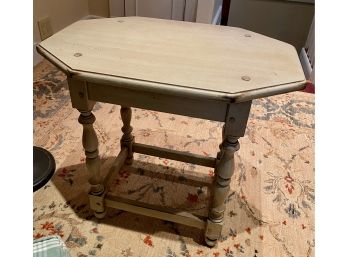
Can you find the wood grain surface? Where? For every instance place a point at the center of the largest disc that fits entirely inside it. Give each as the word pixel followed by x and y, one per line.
pixel 179 54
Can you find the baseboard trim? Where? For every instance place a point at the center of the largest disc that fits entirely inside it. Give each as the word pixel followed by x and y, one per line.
pixel 90 17
pixel 36 56
pixel 306 65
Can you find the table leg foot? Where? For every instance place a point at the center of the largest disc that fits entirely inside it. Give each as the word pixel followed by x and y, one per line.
pixel 212 232
pixel 210 242
pixel 100 215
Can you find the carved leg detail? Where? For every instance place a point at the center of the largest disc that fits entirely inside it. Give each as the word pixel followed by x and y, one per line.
pixel 90 144
pixel 127 137
pixel 223 172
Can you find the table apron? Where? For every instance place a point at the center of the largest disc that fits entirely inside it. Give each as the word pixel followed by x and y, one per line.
pixel 198 108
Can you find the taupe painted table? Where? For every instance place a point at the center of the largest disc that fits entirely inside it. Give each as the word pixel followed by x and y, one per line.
pixel 198 70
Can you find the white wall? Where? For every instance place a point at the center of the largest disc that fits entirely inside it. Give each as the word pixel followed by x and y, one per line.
pixel 203 11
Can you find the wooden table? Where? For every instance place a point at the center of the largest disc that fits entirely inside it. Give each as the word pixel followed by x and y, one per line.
pixel 198 70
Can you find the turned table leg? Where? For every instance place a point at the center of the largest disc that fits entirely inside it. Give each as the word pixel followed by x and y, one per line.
pixel 223 172
pixel 234 128
pixel 127 137
pixel 90 144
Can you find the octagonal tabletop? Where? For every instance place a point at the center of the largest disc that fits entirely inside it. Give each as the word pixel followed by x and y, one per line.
pixel 182 55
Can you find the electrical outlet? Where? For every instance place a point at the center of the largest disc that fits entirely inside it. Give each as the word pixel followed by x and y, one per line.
pixel 45 28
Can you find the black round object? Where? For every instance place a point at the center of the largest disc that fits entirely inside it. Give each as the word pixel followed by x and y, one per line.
pixel 44 167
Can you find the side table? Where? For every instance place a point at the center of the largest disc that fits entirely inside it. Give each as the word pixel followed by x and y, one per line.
pixel 198 70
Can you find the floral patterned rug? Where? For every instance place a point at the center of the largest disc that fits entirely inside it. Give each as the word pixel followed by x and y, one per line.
pixel 270 208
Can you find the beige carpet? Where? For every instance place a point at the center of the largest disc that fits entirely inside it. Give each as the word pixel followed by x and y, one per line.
pixel 270 208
